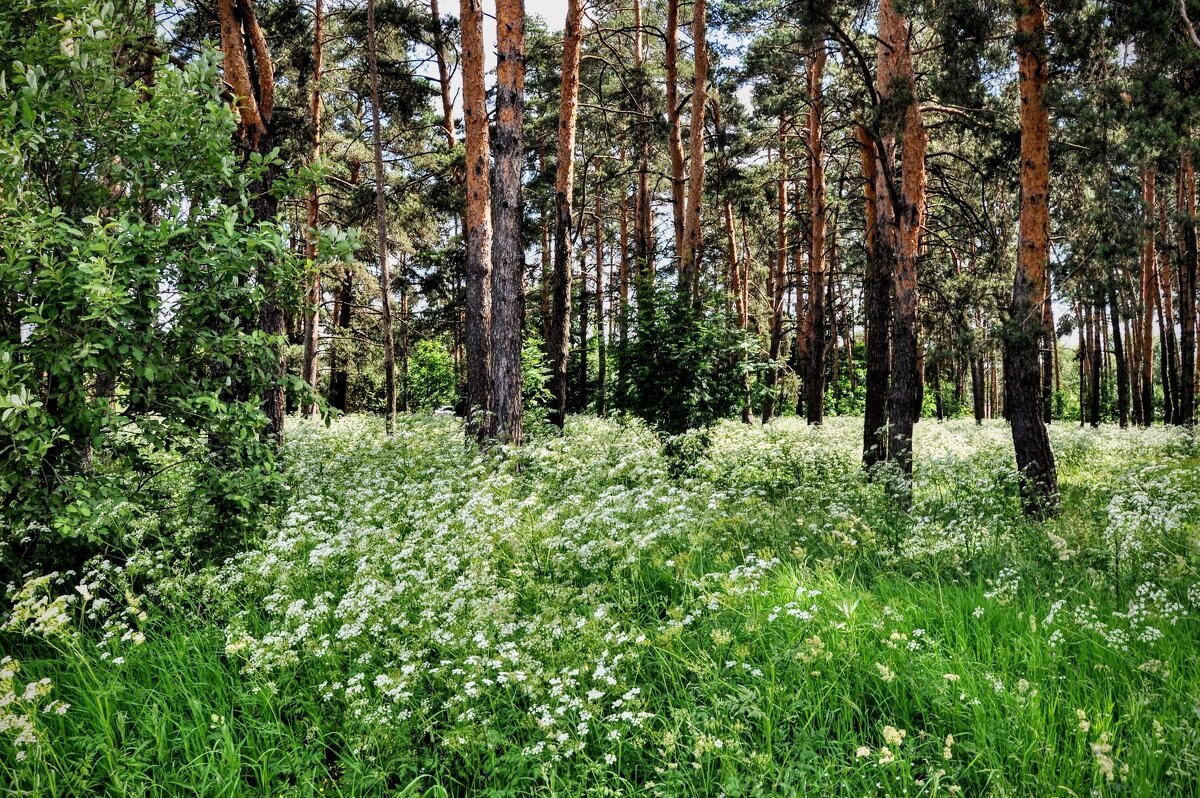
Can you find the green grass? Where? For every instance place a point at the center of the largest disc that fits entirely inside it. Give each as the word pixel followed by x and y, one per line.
pixel 587 618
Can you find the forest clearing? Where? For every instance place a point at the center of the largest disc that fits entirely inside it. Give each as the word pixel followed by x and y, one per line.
pixel 672 398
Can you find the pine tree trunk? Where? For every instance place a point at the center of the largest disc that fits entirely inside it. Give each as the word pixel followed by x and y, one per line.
pixel 558 340
pixel 339 377
pixel 1149 290
pixel 505 417
pixel 675 134
pixel 902 117
pixel 1096 361
pixel 1187 293
pixel 439 52
pixel 814 375
pixel 310 372
pixel 479 217
pixel 776 281
pixel 876 301
pixel 381 229
pixel 602 366
pixel 689 259
pixel 1119 354
pixel 1035 460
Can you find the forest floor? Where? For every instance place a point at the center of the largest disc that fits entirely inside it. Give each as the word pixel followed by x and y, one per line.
pixel 590 617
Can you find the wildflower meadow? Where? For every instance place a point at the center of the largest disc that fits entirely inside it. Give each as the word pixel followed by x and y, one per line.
pixel 749 614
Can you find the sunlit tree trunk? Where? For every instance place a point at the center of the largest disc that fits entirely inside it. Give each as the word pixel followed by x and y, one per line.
pixel 479 216
pixel 558 341
pixel 1035 460
pixel 901 123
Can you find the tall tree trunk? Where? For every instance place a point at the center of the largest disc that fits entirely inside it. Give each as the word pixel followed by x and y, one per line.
pixel 405 388
pixel 814 376
pixel 876 299
pixel 739 303
pixel 643 215
pixel 1149 291
pixel 902 117
pixel 479 217
pixel 1035 460
pixel 439 52
pixel 310 372
pixel 1048 347
pixel 675 134
pixel 381 229
pixel 689 259
pixel 339 377
pixel 581 397
pixel 602 366
pixel 1096 361
pixel 1187 292
pixel 505 418
pixel 978 398
pixel 776 282
pixel 623 299
pixel 1119 353
pixel 1168 356
pixel 558 341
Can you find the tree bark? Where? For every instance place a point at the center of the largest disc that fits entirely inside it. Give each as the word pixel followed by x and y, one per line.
pixel 814 377
pixel 1035 460
pixel 1149 290
pixel 1119 354
pixel 505 418
pixel 901 117
pixel 876 299
pixel 250 73
pixel 675 134
pixel 689 259
pixel 439 52
pixel 479 217
pixel 601 365
pixel 381 228
pixel 558 341
pixel 310 371
pixel 776 282
pixel 339 377
pixel 1187 292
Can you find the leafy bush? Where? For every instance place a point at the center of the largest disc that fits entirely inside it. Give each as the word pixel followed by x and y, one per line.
pixel 684 365
pixel 130 289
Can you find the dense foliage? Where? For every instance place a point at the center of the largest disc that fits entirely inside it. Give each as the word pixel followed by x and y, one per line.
pixel 432 619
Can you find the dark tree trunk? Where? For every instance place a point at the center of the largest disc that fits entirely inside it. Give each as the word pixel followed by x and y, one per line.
pixel 558 338
pixel 978 397
pixel 1119 353
pixel 505 417
pixel 339 378
pixel 381 231
pixel 876 302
